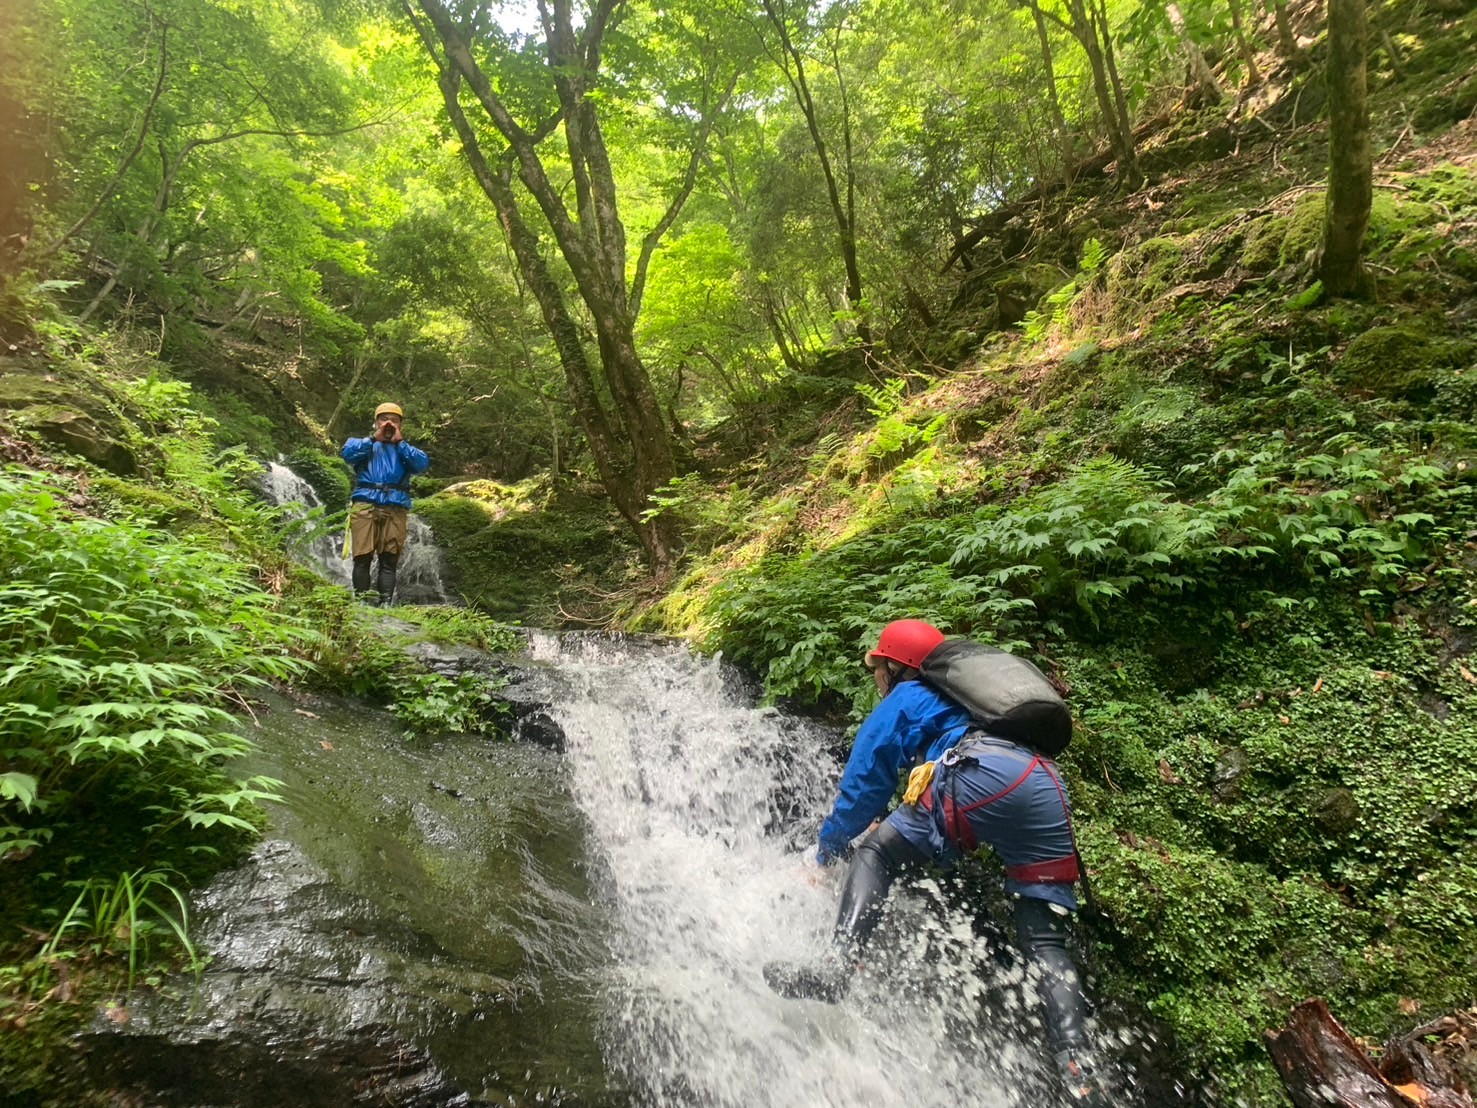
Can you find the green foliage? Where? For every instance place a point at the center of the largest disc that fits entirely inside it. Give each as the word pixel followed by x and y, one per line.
pixel 461 627
pixel 706 515
pixel 125 915
pixel 1059 303
pixel 468 704
pixel 327 473
pixel 125 649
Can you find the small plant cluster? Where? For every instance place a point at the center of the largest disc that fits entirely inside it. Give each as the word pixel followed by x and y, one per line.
pixel 467 704
pixel 1059 303
pixel 125 651
pixel 351 652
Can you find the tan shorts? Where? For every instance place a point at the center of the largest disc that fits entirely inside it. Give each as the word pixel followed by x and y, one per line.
pixel 377 528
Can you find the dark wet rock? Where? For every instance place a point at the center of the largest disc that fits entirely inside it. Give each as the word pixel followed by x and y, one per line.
pixel 1337 811
pixel 1230 768
pixel 234 1066
pixel 312 998
pixel 449 661
pixel 535 725
pixel 1436 707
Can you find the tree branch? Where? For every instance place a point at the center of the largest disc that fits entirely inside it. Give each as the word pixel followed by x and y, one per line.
pixel 674 209
pixel 138 145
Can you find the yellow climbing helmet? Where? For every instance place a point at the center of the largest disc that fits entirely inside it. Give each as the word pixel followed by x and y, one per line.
pixel 388 409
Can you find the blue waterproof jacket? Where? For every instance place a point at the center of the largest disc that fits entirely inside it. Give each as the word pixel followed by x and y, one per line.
pixel 382 470
pixel 913 724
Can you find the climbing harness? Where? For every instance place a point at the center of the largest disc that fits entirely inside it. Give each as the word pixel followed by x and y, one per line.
pixel 957 829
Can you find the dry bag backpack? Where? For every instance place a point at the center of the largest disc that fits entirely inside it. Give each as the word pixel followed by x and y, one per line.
pixel 1007 696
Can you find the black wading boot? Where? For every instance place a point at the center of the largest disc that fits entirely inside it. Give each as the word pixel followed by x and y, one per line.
pixel 826 980
pixel 388 565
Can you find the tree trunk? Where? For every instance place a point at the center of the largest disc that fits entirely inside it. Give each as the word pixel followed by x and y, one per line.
pixel 1058 119
pixel 1287 43
pixel 792 63
pixel 1134 178
pixel 1083 28
pixel 1205 80
pixel 1243 44
pixel 1350 165
pixel 1322 1067
pixel 627 435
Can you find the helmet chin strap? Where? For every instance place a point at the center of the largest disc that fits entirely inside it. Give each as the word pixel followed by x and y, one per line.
pixel 896 672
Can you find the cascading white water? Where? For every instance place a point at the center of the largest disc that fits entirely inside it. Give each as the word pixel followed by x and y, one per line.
pixel 420 579
pixel 682 784
pixel 321 548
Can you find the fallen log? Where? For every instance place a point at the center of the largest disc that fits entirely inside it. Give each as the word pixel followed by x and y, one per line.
pixel 1323 1067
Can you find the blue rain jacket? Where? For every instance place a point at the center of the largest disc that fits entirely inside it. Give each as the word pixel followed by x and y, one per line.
pixel 383 463
pixel 914 723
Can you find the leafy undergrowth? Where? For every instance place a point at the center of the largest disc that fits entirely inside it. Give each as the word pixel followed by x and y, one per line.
pixel 127 652
pixel 1237 521
pixel 543 553
pixel 138 616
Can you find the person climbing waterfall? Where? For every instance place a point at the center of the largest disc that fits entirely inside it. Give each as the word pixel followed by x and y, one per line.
pixel 978 728
pixel 379 509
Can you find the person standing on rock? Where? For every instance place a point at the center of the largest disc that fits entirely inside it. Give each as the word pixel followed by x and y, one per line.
pixel 979 729
pixel 379 509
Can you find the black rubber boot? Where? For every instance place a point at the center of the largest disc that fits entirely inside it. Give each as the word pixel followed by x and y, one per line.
pixel 1041 932
pixel 388 565
pixel 362 567
pixel 877 863
pixel 825 980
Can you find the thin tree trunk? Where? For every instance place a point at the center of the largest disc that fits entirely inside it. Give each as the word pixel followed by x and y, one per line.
pixel 1209 87
pixel 1083 28
pixel 360 361
pixel 1287 43
pixel 792 63
pixel 106 193
pixel 1350 165
pixel 1058 119
pixel 1243 44
pixel 1120 100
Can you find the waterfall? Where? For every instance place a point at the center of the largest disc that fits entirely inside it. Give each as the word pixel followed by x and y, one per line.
pixel 695 803
pixel 421 578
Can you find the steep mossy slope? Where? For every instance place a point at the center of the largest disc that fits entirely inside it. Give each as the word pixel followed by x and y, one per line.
pixel 1236 519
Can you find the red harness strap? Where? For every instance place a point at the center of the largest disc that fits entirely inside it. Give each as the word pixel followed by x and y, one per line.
pixel 1062 871
pixel 1058 871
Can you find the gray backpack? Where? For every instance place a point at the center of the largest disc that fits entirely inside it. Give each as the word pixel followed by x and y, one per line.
pixel 1007 696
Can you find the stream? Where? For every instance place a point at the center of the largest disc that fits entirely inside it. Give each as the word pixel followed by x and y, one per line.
pixel 458 920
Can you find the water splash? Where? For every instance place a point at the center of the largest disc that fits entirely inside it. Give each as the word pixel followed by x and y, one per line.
pixel 421 578
pixel 688 792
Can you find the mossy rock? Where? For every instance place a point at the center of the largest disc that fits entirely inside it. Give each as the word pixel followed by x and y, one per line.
pixel 510 561
pixel 66 408
pixel 78 433
pixel 1304 230
pixel 144 502
pixel 1399 361
pixel 1147 271
pixel 329 475
pixel 1263 250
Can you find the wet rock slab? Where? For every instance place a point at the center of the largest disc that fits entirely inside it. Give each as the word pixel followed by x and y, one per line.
pixel 312 998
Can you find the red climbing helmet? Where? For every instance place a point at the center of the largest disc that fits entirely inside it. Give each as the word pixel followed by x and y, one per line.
pixel 908 641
